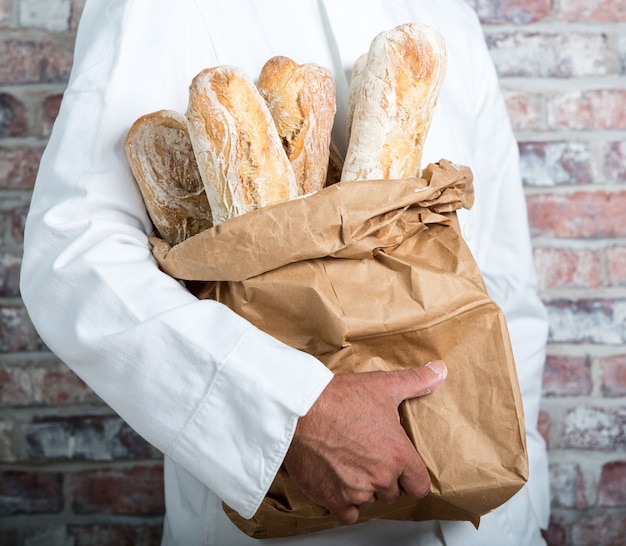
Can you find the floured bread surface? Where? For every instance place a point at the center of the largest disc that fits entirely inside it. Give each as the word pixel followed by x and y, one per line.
pixel 240 156
pixel 396 96
pixel 302 101
pixel 163 163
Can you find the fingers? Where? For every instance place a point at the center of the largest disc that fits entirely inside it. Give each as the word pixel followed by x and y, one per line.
pixel 417 381
pixel 415 480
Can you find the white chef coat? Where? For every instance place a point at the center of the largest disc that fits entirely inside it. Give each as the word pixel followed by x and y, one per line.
pixel 217 396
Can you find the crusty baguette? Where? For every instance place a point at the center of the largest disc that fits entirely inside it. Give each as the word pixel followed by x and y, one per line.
pixel 393 106
pixel 355 83
pixel 163 163
pixel 301 98
pixel 239 153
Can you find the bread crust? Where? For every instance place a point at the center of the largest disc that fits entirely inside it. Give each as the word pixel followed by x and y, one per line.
pixel 302 101
pixel 394 103
pixel 163 163
pixel 239 153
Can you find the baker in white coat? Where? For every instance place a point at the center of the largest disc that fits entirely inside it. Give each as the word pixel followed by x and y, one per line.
pixel 187 374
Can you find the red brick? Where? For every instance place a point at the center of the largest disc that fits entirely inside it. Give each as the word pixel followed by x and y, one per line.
pixel 511 11
pixel 615 162
pixel 600 530
pixel 31 61
pixel 556 534
pixel 18 219
pixel 548 55
pixel 582 214
pixel 16 331
pixel 51 106
pixel 525 110
pixel 616 265
pixel 567 376
pixel 612 487
pixel 76 11
pixel 137 490
pixel 613 375
pixel 544 425
pixel 41 383
pixel 84 438
pixel 18 167
pixel 120 535
pixel 567 486
pixel 567 268
pixel 30 492
pixel 598 321
pixel 555 163
pixel 596 109
pixel 7 450
pixel 594 11
pixel 13 116
pixel 9 275
pixel 595 428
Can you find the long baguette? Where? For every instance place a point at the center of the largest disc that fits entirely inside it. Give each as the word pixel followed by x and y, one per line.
pixel 394 103
pixel 239 153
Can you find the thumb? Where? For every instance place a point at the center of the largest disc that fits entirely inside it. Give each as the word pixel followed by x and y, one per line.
pixel 417 381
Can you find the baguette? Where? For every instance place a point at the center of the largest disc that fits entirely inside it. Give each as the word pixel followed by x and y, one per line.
pixel 301 99
pixel 162 161
pixel 394 103
pixel 239 153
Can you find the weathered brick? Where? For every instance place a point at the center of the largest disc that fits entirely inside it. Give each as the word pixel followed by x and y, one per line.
pixel 567 376
pixel 52 15
pixel 7 450
pixel 120 535
pixel 16 331
pixel 51 107
pixel 601 321
pixel 5 12
pixel 595 428
pixel 613 375
pixel 582 214
pixel 18 219
pixel 544 425
pixel 91 437
pixel 615 162
pixel 567 268
pixel 525 109
pixel 9 275
pixel 137 490
pixel 77 9
pixel 595 11
pixel 36 535
pixel 556 534
pixel 555 163
pixel 567 486
pixel 595 109
pixel 511 11
pixel 36 384
pixel 548 55
pixel 13 116
pixel 616 265
pixel 30 492
pixel 18 167
pixel 612 486
pixel 30 61
pixel 599 530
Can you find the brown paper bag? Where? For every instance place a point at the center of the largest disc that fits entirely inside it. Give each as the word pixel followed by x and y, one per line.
pixel 373 275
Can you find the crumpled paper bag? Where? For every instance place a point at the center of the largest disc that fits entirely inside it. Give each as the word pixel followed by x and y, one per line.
pixel 374 275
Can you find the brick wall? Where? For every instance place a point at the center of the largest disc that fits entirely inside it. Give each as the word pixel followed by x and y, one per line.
pixel 72 473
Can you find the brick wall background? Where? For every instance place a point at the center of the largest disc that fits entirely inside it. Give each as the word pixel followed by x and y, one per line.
pixel 72 473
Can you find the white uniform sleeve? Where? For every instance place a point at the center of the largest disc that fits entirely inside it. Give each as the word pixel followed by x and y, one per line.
pixel 504 256
pixel 212 392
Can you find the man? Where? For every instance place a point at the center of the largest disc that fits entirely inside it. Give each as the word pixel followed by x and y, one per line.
pixel 187 374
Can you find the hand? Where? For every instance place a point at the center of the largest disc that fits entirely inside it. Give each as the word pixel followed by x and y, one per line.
pixel 350 448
